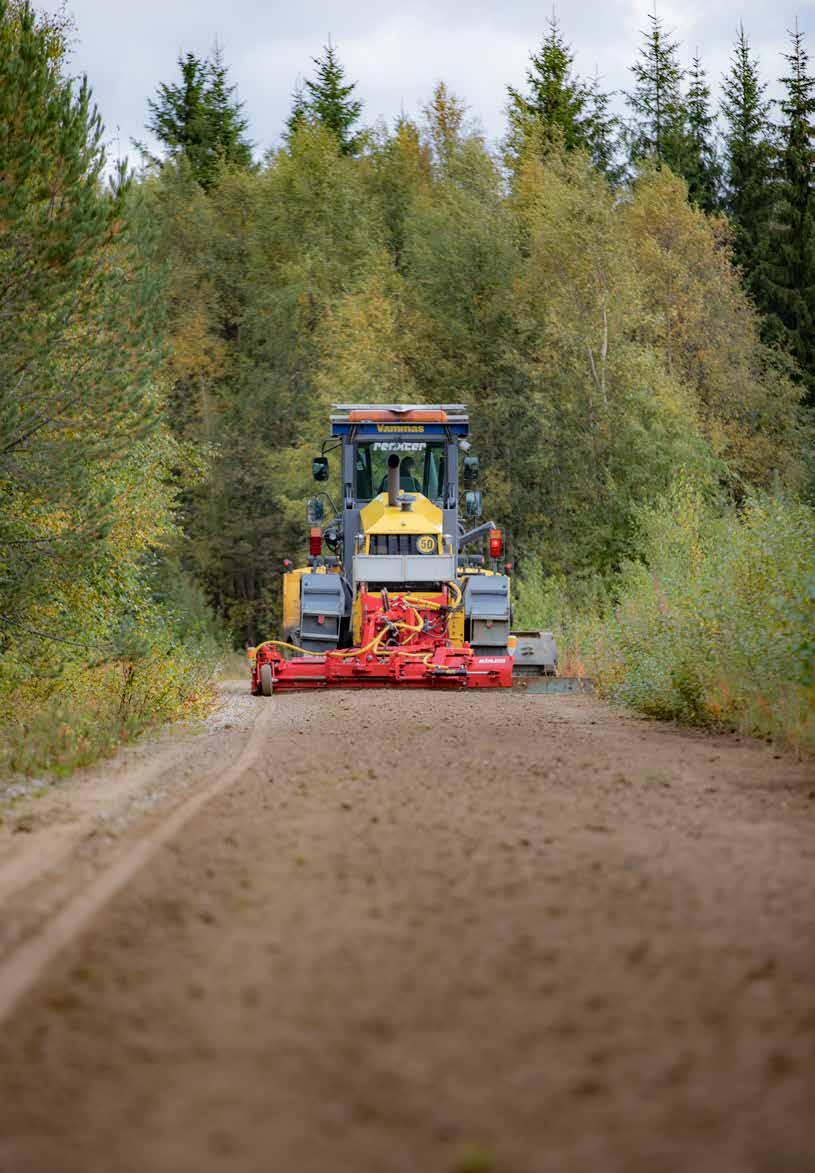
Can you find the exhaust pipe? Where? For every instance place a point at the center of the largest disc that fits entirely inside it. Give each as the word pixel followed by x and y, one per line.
pixel 393 479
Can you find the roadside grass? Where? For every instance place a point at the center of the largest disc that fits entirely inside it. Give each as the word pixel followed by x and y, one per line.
pixel 113 664
pixel 715 624
pixel 51 726
pixel 234 665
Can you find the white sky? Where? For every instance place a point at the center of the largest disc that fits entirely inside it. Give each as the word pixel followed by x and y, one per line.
pixel 395 51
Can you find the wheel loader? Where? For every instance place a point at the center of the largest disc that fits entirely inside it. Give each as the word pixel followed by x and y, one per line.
pixel 398 592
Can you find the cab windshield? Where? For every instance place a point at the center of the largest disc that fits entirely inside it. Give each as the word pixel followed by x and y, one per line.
pixel 421 467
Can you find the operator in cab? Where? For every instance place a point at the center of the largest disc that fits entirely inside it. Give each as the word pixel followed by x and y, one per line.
pixel 407 481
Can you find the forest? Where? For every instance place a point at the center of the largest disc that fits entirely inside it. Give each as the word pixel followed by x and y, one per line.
pixel 626 302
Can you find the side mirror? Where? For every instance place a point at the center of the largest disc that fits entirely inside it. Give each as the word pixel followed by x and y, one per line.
pixel 315 511
pixel 472 503
pixel 319 468
pixel 471 469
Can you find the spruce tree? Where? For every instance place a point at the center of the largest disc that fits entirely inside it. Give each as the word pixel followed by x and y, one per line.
pixel 748 189
pixel 199 118
pixel 224 114
pixel 555 99
pixel 603 132
pixel 560 108
pixel 658 130
pixel 329 101
pixel 177 115
pixel 702 169
pixel 791 261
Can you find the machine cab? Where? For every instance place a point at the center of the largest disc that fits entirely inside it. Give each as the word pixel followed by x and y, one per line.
pixel 400 490
pixel 421 467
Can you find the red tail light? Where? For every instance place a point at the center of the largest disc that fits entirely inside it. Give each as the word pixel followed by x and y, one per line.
pixel 315 541
pixel 496 543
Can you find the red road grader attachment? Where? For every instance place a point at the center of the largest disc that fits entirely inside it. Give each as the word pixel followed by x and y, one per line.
pixel 404 643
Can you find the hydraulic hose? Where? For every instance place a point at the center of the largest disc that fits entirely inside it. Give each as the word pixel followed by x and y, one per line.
pixel 279 643
pixel 413 600
pixel 433 604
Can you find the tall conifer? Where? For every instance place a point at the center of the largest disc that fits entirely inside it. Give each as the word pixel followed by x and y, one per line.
pixel 748 189
pixel 329 101
pixel 702 169
pixel 603 132
pixel 80 328
pixel 199 118
pixel 658 129
pixel 227 123
pixel 555 99
pixel 791 261
pixel 559 108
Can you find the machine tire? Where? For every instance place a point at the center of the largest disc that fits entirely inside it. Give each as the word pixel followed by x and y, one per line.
pixel 266 679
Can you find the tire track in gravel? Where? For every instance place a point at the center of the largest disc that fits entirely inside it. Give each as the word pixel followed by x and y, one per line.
pixel 26 964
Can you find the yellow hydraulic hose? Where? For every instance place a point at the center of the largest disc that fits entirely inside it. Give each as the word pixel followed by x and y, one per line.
pixel 377 640
pixel 457 589
pixel 279 643
pixel 433 604
pixel 370 647
pixel 412 600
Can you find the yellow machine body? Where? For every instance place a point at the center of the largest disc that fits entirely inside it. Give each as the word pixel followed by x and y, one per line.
pixel 423 518
pixel 291 595
pixel 380 518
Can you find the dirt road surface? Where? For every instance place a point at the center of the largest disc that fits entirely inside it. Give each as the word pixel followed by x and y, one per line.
pixel 414 933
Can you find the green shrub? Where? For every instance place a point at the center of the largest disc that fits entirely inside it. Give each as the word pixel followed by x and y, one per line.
pixel 86 714
pixel 715 623
pixel 71 695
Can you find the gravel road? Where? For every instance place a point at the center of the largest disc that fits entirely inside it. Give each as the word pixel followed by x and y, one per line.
pixel 413 933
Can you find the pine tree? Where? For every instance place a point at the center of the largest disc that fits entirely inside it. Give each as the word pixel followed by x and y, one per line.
pixel 702 169
pixel 199 119
pixel 748 190
pixel 80 334
pixel 791 261
pixel 658 131
pixel 328 101
pixel 560 108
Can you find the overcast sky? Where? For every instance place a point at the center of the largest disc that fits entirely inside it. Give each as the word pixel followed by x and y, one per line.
pixel 395 52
